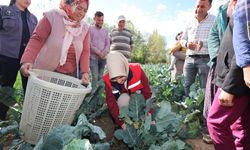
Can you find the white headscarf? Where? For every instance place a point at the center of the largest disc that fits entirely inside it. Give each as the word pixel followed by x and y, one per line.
pixel 117 64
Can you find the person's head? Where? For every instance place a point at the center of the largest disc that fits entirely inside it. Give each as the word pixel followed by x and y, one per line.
pixel 12 2
pixel 121 22
pixel 202 7
pixel 118 67
pixel 231 7
pixel 21 4
pixel 178 36
pixel 75 9
pixel 98 18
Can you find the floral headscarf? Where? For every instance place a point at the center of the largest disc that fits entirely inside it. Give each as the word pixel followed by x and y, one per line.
pixel 68 5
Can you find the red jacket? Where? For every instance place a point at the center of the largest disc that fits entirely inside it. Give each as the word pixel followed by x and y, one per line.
pixel 137 80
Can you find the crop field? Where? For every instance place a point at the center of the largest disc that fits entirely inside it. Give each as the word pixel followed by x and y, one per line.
pixel 176 121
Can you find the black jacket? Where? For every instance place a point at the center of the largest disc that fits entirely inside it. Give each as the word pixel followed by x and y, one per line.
pixel 228 75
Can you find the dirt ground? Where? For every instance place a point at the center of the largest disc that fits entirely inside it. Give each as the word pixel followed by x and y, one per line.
pixel 106 123
pixel 198 144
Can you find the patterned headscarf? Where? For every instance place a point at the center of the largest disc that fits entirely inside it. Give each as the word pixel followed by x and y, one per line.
pixel 68 5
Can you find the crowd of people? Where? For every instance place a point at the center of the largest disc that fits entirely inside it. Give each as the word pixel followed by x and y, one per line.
pixel 214 48
pixel 218 50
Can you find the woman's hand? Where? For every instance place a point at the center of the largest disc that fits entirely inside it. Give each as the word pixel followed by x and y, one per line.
pixel 226 99
pixel 25 69
pixel 85 78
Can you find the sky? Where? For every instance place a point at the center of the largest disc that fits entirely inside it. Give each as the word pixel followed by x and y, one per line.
pixel 168 17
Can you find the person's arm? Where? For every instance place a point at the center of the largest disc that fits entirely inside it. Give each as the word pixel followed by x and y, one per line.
pixel 241 40
pixel 213 41
pixel 146 91
pixel 84 58
pixel 131 42
pixel 107 44
pixel 112 105
pixel 37 40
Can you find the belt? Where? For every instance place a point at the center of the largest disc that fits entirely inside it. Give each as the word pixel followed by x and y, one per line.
pixel 199 56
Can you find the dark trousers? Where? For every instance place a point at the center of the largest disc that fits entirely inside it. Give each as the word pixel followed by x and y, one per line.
pixel 9 68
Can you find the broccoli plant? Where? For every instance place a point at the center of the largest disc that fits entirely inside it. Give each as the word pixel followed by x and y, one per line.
pixel 67 137
pixel 145 131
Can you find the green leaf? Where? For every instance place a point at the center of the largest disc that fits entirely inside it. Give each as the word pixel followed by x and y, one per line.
pixel 129 136
pixel 136 107
pixel 165 117
pixel 165 108
pixel 119 134
pixel 78 144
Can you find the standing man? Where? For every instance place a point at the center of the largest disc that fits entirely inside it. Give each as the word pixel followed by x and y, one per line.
pixel 99 47
pixel 195 40
pixel 121 38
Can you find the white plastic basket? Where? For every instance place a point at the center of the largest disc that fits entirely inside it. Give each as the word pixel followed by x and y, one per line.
pixel 51 99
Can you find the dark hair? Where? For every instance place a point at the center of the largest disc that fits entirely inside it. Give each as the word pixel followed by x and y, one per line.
pixel 178 34
pixel 12 2
pixel 99 14
pixel 209 1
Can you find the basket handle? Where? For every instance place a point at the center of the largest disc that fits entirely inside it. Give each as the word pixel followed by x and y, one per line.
pixel 32 73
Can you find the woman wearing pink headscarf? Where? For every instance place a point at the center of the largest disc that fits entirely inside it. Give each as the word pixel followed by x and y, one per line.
pixel 60 41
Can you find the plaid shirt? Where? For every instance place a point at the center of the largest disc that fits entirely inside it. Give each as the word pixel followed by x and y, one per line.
pixel 198 31
pixel 241 34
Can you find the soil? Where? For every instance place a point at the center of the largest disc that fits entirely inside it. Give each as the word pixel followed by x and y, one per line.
pixel 107 125
pixel 198 144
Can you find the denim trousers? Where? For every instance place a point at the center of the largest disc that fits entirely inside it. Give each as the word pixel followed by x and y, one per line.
pixel 229 127
pixel 97 69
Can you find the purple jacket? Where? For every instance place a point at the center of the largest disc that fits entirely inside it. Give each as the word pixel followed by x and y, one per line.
pixel 11 30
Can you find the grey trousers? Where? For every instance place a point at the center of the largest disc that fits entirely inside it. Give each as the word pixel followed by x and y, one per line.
pixel 192 67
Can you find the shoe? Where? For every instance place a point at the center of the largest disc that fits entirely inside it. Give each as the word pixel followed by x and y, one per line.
pixel 207 139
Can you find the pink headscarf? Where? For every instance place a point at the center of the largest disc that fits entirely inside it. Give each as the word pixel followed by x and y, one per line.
pixel 67 5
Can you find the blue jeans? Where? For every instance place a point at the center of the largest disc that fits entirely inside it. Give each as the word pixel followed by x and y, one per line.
pixel 192 66
pixel 97 69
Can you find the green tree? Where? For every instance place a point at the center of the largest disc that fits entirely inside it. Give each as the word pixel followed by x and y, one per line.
pixel 156 49
pixel 139 52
